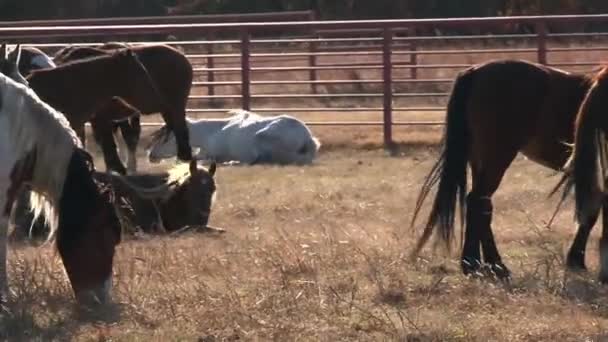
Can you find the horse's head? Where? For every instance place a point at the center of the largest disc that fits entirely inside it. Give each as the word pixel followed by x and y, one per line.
pixel 9 63
pixel 29 59
pixel 190 204
pixel 89 230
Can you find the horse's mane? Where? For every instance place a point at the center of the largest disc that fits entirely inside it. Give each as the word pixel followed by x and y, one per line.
pixel 173 179
pixel 35 127
pixel 105 55
pixel 581 169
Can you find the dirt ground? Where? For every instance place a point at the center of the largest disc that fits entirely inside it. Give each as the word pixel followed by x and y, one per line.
pixel 321 253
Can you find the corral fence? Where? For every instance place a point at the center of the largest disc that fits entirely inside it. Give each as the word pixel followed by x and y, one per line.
pixel 359 73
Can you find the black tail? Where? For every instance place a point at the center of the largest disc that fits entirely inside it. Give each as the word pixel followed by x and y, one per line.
pixel 451 168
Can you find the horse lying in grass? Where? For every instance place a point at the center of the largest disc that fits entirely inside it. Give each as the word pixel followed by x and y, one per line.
pixel 244 137
pixel 496 110
pixel 171 201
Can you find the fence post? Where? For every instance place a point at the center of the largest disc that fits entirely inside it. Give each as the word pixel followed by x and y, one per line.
pixel 245 70
pixel 210 73
pixel 312 63
pixel 388 87
pixel 413 54
pixel 541 33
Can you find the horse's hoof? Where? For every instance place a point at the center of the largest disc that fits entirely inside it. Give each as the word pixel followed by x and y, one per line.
pixel 500 271
pixel 576 266
pixel 470 267
pixel 603 278
pixel 576 263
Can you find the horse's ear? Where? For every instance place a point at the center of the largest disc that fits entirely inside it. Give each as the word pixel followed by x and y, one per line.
pixel 15 55
pixel 193 167
pixel 212 169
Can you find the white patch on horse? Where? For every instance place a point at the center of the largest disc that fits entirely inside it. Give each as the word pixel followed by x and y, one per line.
pixel 27 122
pixel 248 138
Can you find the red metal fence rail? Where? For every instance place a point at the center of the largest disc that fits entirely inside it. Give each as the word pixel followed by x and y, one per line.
pixel 384 61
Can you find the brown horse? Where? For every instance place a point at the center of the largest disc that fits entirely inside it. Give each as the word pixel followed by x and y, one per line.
pixel 496 110
pixel 174 84
pixel 163 202
pixel 29 59
pixel 120 92
pixel 583 172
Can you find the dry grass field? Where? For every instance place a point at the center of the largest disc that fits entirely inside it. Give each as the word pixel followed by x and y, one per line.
pixel 320 253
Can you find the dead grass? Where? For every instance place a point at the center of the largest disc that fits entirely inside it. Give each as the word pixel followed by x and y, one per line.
pixel 320 253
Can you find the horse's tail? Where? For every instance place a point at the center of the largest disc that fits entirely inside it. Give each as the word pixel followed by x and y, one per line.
pixel 308 151
pixel 451 168
pixel 582 170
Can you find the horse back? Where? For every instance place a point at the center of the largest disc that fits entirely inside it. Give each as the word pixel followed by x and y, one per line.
pixel 524 106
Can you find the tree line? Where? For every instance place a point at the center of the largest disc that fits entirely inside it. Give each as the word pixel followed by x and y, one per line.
pixel 325 9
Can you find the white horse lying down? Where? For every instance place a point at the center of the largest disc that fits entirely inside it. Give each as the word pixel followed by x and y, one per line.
pixel 244 137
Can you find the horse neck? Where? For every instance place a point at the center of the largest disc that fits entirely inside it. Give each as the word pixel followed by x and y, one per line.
pixel 202 131
pixel 88 81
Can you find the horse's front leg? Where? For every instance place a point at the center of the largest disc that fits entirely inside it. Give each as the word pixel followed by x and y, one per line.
pixel 3 249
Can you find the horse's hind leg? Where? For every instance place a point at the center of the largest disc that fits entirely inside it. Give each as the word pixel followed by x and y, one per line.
pixel 102 131
pixel 575 259
pixel 479 216
pixel 604 243
pixel 177 123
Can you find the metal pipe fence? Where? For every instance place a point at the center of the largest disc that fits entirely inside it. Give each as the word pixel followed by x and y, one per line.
pixel 342 67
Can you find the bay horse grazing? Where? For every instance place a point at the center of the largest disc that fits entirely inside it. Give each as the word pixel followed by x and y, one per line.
pixel 244 137
pixel 583 172
pixel 169 201
pixel 30 59
pixel 496 110
pixel 39 149
pixel 174 84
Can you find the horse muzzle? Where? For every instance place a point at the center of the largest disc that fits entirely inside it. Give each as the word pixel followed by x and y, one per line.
pixel 97 296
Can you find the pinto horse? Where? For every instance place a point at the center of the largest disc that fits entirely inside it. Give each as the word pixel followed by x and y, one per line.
pixel 39 149
pixel 31 58
pixel 120 91
pixel 496 110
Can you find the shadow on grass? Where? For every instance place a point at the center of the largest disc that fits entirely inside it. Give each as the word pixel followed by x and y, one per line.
pixel 53 321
